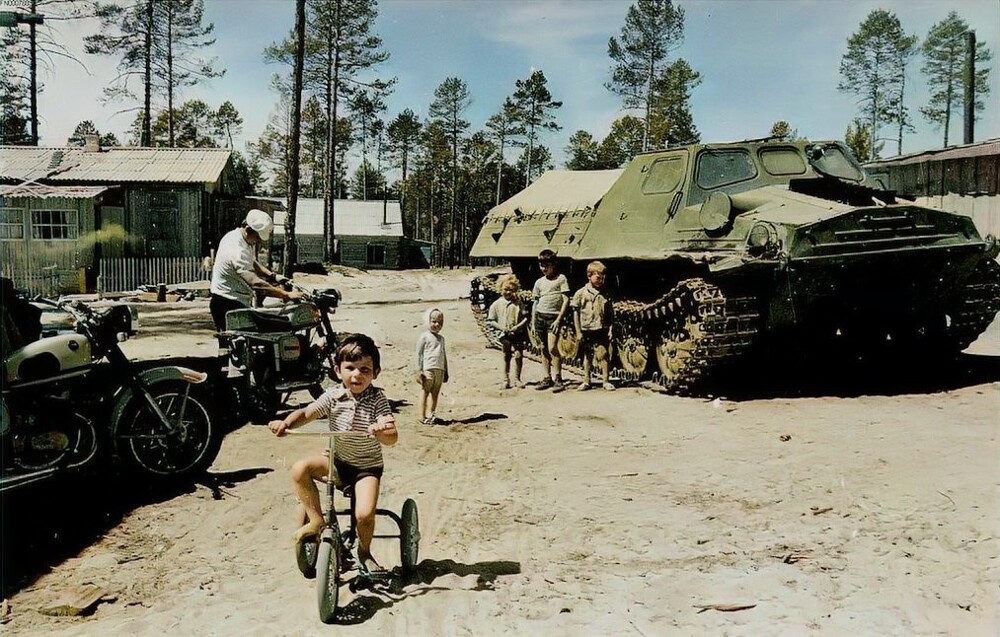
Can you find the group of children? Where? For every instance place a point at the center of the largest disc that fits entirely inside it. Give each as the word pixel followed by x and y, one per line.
pixel 592 320
pixel 356 406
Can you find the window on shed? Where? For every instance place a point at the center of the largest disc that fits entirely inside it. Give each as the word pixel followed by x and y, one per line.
pixel 664 176
pixel 782 161
pixel 11 224
pixel 54 225
pixel 721 167
pixel 376 255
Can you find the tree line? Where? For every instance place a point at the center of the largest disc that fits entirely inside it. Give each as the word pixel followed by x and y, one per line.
pixel 446 173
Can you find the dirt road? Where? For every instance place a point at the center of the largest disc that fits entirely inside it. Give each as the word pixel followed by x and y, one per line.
pixel 870 511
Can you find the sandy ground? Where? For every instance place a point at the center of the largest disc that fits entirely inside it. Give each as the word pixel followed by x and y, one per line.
pixel 597 513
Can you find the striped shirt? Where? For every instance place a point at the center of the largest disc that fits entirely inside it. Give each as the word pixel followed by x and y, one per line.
pixel 349 413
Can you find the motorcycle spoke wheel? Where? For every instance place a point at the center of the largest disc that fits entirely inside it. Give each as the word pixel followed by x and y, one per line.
pixel 186 447
pixel 72 445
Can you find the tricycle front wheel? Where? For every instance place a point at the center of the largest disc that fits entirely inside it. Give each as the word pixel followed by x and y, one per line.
pixel 328 576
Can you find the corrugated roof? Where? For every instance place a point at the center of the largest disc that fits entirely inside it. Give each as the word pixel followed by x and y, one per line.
pixel 42 191
pixel 351 217
pixel 560 191
pixel 979 149
pixel 114 164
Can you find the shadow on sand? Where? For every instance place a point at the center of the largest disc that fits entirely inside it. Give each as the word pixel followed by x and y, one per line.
pixel 45 524
pixel 420 582
pixel 911 375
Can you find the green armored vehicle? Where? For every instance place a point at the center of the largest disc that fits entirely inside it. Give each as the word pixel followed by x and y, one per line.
pixel 721 253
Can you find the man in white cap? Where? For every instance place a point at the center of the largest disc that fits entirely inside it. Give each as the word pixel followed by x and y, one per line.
pixel 236 274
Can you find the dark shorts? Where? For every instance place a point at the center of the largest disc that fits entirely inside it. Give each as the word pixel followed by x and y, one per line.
pixel 517 340
pixel 543 323
pixel 218 306
pixel 592 338
pixel 349 474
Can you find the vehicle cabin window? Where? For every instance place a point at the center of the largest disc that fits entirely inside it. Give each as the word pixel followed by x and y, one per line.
pixel 721 167
pixel 11 224
pixel 782 161
pixel 54 225
pixel 664 175
pixel 835 162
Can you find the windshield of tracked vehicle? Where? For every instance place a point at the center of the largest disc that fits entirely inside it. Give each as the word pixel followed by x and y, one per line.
pixel 720 167
pixel 832 160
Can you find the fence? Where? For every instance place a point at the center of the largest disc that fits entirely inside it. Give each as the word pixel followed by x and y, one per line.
pixel 125 274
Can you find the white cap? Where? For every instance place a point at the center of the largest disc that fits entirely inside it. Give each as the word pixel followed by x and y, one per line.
pixel 260 222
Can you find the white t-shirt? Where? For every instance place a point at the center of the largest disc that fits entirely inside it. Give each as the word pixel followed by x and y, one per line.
pixel 235 255
pixel 548 294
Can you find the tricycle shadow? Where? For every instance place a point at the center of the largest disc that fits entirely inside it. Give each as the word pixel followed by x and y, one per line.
pixel 420 581
pixel 38 538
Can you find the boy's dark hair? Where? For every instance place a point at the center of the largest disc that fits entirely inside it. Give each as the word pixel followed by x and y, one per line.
pixel 546 256
pixel 354 347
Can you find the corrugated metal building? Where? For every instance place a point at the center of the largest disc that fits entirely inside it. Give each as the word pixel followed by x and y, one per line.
pixel 148 202
pixel 368 234
pixel 963 179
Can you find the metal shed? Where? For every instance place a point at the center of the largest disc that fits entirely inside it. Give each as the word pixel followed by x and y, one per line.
pixel 963 179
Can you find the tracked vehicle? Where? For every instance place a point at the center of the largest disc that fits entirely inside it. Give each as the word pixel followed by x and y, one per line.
pixel 722 254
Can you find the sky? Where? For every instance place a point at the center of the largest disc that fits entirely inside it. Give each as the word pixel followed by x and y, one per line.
pixel 760 61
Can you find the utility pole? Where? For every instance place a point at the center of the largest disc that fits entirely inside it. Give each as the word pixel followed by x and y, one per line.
pixel 970 87
pixel 12 19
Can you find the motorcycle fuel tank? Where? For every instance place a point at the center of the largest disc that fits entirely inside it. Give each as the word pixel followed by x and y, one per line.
pixel 47 357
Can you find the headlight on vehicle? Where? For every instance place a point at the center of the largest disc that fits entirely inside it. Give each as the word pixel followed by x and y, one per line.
pixel 762 240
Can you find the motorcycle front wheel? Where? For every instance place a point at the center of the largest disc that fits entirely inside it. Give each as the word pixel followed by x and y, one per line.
pixel 187 444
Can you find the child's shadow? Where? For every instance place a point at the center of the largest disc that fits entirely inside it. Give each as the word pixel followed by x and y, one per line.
pixel 475 420
pixel 419 582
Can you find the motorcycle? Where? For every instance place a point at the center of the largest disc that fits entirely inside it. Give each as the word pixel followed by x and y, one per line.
pixel 274 351
pixel 73 400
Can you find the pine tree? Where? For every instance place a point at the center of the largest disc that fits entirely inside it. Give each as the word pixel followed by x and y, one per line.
pixel 944 53
pixel 403 137
pixel 783 130
pixel 451 100
pixel 671 121
pixel 653 28
pixel 874 69
pixel 340 48
pixel 227 123
pixel 505 128
pixel 623 142
pixel 582 151
pixel 858 138
pixel 534 107
pixel 180 34
pixel 128 31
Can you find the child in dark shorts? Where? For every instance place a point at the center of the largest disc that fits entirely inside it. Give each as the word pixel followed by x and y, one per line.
pixel 358 407
pixel 506 315
pixel 592 317
pixel 550 299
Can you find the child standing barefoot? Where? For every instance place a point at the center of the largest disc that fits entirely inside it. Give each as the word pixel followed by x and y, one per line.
pixel 592 317
pixel 551 298
pixel 506 315
pixel 432 365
